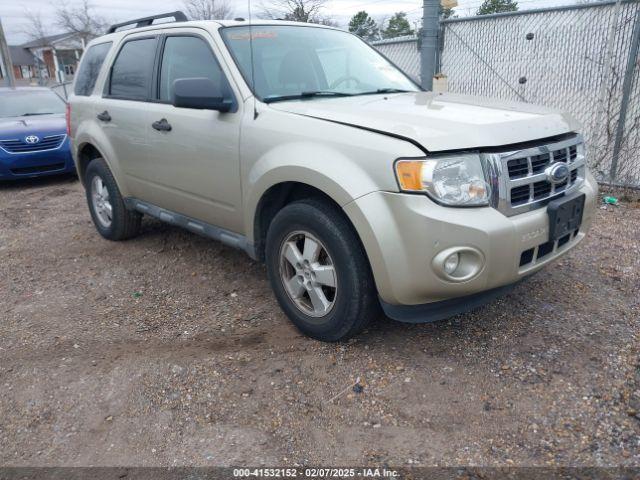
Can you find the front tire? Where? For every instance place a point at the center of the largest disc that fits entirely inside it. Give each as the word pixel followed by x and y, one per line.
pixel 319 271
pixel 110 216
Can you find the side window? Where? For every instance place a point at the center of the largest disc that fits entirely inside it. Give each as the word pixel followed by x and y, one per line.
pixel 186 57
pixel 90 69
pixel 132 71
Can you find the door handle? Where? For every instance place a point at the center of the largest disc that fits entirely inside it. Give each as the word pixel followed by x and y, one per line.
pixel 162 125
pixel 104 116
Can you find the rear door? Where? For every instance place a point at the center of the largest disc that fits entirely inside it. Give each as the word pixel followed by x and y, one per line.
pixel 122 110
pixel 194 168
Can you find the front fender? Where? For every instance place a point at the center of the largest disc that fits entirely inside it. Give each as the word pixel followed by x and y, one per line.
pixel 316 165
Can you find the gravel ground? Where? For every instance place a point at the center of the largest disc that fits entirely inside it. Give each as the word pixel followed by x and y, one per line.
pixel 170 349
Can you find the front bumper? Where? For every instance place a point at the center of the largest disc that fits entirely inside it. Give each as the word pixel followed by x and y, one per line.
pixel 402 234
pixel 36 164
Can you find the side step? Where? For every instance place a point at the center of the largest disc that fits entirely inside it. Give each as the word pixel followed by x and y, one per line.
pixel 196 226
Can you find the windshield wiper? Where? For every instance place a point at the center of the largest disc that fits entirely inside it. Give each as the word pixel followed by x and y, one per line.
pixel 32 114
pixel 310 94
pixel 384 90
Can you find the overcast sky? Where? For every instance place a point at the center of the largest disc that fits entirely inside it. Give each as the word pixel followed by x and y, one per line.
pixel 13 21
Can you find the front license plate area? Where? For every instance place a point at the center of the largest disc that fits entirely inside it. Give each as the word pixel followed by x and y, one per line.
pixel 565 216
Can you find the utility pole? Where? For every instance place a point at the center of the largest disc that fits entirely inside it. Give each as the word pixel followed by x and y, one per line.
pixel 6 56
pixel 429 42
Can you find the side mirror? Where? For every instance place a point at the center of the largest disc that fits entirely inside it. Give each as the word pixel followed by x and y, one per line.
pixel 200 93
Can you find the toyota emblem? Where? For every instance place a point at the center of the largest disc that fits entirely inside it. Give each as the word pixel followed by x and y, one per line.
pixel 31 139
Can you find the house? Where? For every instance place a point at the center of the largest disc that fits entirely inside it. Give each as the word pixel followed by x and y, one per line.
pixel 43 57
pixel 57 53
pixel 24 63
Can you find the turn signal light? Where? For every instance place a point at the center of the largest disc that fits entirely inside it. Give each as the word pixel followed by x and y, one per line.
pixel 409 175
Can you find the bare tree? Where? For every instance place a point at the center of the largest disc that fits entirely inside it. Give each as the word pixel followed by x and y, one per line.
pixel 308 11
pixel 208 9
pixel 34 28
pixel 80 20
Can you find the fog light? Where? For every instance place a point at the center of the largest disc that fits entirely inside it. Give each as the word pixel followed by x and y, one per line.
pixel 458 264
pixel 451 263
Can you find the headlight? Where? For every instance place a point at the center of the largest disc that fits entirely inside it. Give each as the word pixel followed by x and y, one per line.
pixel 452 180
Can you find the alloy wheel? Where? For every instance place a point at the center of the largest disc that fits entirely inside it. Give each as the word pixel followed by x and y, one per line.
pixel 101 204
pixel 308 274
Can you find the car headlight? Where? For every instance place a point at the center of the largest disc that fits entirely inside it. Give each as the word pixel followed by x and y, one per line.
pixel 456 180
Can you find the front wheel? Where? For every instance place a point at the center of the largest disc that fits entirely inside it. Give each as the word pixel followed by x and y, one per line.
pixel 319 271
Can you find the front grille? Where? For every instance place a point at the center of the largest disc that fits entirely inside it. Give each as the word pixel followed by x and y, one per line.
pixel 39 169
pixel 574 175
pixel 521 167
pixel 20 146
pixel 520 180
pixel 531 256
pixel 518 168
pixel 520 195
pixel 541 189
pixel 539 162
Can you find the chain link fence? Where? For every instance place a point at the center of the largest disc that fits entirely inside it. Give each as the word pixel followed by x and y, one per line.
pixel 581 59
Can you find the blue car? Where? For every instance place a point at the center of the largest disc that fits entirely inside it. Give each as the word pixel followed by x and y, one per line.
pixel 33 134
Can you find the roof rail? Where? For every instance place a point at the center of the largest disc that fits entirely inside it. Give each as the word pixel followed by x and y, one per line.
pixel 177 16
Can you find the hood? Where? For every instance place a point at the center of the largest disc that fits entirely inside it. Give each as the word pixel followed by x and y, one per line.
pixel 439 121
pixel 40 125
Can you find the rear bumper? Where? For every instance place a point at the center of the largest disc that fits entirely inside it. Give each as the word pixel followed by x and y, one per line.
pixel 36 164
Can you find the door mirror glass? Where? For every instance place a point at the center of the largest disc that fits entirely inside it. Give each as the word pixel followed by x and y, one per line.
pixel 200 93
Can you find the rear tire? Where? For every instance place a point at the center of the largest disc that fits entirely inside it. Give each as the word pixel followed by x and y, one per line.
pixel 319 271
pixel 110 216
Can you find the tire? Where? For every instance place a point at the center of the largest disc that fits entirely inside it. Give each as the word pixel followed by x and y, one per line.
pixel 119 223
pixel 341 260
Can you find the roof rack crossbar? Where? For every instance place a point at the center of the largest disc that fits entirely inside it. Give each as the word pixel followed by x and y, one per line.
pixel 178 16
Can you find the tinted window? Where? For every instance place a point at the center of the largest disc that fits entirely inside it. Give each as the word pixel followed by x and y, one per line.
pixel 90 68
pixel 27 102
pixel 131 72
pixel 186 57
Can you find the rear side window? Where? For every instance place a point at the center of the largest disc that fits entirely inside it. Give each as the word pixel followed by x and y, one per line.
pixel 132 71
pixel 186 57
pixel 90 69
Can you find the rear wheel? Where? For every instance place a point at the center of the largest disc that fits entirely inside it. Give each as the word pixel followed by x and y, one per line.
pixel 110 216
pixel 319 271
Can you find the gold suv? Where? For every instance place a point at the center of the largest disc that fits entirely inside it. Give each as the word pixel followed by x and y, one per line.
pixel 305 147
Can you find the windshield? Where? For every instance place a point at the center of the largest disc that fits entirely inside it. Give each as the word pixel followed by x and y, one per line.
pixel 302 62
pixel 18 103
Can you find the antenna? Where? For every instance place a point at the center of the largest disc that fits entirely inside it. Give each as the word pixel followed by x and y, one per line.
pixel 253 75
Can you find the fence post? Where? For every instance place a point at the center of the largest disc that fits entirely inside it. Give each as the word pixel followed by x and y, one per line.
pixel 626 94
pixel 429 46
pixel 441 30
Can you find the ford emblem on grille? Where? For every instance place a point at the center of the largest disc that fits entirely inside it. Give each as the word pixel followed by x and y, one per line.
pixel 31 139
pixel 557 173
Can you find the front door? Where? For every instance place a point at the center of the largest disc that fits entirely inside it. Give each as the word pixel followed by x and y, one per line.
pixel 193 160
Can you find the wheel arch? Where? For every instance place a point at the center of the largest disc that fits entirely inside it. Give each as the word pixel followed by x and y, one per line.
pixel 274 199
pixel 86 152
pixel 89 140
